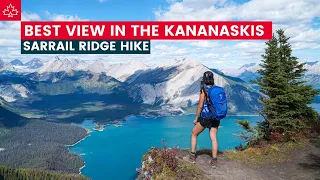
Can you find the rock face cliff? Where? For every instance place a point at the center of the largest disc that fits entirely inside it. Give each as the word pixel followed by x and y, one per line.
pixel 177 85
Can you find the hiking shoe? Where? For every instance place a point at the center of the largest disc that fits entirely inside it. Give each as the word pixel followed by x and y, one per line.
pixel 191 158
pixel 214 163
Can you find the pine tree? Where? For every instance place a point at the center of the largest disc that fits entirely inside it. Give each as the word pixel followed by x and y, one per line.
pixel 298 95
pixel 286 99
pixel 271 84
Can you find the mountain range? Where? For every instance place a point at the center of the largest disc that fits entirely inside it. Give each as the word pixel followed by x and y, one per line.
pixel 248 72
pixel 72 88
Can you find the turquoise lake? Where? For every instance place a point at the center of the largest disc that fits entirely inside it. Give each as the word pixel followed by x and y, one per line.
pixel 316 107
pixel 116 152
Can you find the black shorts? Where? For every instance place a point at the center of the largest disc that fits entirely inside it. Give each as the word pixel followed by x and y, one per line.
pixel 208 123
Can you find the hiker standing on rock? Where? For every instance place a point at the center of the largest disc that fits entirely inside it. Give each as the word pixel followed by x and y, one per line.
pixel 211 109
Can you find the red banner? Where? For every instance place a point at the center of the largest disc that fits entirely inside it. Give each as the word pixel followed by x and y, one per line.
pixel 10 10
pixel 142 30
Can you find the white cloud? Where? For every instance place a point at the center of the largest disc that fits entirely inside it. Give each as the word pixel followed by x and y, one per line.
pixel 310 35
pixel 294 16
pixel 205 44
pixel 168 51
pixel 204 3
pixel 305 45
pixel 250 47
pixel 10 36
pixel 63 17
pixel 30 17
pixel 211 55
pixel 9 42
pixel 218 62
pixel 284 11
pixel 102 1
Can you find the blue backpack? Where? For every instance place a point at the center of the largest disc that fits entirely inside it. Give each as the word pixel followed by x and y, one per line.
pixel 215 105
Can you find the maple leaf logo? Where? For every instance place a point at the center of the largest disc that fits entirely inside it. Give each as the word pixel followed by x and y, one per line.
pixel 10 11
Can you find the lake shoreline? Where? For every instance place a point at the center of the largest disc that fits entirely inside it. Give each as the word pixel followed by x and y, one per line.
pixel 82 167
pixel 143 120
pixel 125 119
pixel 79 140
pixel 182 114
pixel 68 147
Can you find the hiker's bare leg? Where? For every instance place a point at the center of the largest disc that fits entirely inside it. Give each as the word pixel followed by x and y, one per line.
pixel 197 129
pixel 213 136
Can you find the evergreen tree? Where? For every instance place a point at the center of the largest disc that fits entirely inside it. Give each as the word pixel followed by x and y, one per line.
pixel 286 99
pixel 298 95
pixel 271 84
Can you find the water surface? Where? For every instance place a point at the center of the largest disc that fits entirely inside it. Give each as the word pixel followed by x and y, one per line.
pixel 116 152
pixel 316 107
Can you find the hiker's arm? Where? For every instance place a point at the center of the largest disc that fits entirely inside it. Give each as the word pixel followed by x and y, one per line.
pixel 200 105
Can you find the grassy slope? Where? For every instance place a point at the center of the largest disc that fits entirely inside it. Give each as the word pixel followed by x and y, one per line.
pixel 269 154
pixel 164 164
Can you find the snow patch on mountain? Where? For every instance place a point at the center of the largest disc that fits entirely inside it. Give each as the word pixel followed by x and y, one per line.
pixel 6 67
pixel 122 71
pixel 23 91
pixel 98 66
pixel 180 88
pixel 63 65
pixel 11 92
pixel 189 71
pixel 149 92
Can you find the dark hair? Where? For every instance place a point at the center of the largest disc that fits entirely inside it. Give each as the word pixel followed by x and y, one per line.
pixel 208 78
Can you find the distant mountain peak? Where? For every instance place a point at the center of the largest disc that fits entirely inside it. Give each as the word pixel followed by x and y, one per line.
pixel 99 62
pixel 35 63
pixel 312 63
pixel 63 65
pixel 313 68
pixel 122 71
pixel 248 65
pixel 235 72
pixel 16 62
pixel 6 66
pixel 98 66
pixel 181 62
pixel 56 58
pixel 137 64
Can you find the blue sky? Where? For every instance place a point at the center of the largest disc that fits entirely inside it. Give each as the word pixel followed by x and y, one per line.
pixel 91 9
pixel 299 18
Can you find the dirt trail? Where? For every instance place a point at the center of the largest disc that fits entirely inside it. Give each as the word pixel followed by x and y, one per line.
pixel 226 169
pixel 303 165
